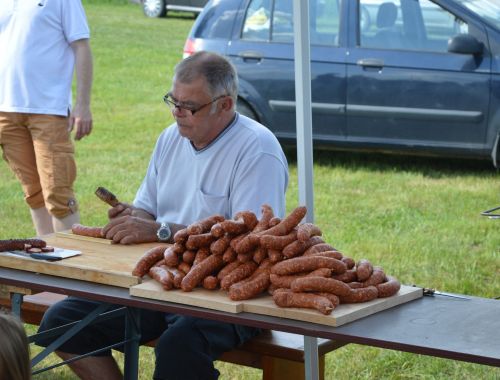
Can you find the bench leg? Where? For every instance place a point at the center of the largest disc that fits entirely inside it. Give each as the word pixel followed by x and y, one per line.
pixel 282 369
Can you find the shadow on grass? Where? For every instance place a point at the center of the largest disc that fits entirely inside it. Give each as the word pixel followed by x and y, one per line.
pixel 434 167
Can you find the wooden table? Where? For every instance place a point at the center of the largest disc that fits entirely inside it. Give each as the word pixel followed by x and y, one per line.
pixel 467 330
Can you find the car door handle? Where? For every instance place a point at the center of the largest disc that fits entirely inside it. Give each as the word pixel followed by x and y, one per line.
pixel 371 62
pixel 250 55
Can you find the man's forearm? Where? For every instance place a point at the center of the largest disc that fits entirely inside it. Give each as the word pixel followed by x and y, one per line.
pixel 84 71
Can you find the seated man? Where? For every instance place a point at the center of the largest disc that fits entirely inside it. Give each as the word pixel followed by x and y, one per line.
pixel 211 161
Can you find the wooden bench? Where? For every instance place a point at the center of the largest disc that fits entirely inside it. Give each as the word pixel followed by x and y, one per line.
pixel 280 355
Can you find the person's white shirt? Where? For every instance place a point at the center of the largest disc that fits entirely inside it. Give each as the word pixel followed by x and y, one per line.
pixel 242 169
pixel 36 59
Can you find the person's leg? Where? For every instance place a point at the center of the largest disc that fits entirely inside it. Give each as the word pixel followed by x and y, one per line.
pixel 56 165
pixel 94 367
pixel 187 350
pixel 19 154
pixel 42 221
pixel 95 336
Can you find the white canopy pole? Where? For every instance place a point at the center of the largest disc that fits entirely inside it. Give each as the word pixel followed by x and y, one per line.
pixel 304 144
pixel 303 105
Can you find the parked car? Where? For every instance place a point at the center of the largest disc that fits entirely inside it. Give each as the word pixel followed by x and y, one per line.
pixel 414 76
pixel 159 8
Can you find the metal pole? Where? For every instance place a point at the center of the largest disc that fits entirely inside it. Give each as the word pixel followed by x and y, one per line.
pixel 304 144
pixel 303 105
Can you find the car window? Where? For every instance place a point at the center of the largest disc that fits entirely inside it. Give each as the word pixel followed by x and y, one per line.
pixel 267 20
pixel 407 25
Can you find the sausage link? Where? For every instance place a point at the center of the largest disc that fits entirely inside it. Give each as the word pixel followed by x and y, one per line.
pixel 287 224
pixel 229 256
pixel 188 256
pixel 163 276
pixel 227 269
pixel 219 246
pixel 147 260
pixel 303 300
pixel 171 257
pixel 181 236
pixel 79 229
pixel 199 240
pixel 377 277
pixel 198 272
pixel 307 230
pixel 298 247
pixel 333 254
pixel 307 264
pixel 349 262
pixel 259 254
pixel 274 256
pixel 360 295
pixel 204 225
pixel 201 255
pixel 248 289
pixel 317 248
pixel 278 242
pixel 239 273
pixel 364 269
pixel 388 288
pixel 184 267
pixel 210 282
pixel 348 276
pixel 320 284
pixel 19 244
pixel 286 281
pixel 267 215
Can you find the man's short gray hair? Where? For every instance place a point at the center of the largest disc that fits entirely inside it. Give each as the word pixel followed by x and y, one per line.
pixel 218 72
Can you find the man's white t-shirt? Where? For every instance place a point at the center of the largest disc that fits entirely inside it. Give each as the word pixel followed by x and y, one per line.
pixel 242 169
pixel 36 59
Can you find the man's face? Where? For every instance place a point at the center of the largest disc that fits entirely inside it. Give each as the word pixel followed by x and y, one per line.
pixel 198 115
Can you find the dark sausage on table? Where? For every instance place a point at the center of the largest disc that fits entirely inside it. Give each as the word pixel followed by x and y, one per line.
pixel 19 244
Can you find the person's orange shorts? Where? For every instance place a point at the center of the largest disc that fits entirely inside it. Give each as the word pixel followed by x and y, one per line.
pixel 39 150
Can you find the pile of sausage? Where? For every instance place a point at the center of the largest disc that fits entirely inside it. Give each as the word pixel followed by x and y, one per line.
pixel 27 245
pixel 247 257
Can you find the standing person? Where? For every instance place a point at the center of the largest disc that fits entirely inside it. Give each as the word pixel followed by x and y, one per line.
pixel 211 161
pixel 42 42
pixel 14 349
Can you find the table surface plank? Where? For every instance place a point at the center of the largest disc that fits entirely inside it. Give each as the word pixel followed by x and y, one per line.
pixel 467 330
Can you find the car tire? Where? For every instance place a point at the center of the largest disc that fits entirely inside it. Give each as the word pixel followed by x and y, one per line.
pixel 154 8
pixel 244 109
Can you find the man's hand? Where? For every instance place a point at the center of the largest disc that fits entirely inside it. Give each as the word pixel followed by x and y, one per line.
pixel 131 230
pixel 121 209
pixel 80 119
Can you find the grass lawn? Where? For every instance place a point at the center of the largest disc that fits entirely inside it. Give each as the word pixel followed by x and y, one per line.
pixel 418 218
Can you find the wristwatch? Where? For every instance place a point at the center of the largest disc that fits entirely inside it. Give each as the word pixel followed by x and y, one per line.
pixel 164 232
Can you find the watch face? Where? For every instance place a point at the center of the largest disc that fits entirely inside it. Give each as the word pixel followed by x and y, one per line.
pixel 164 232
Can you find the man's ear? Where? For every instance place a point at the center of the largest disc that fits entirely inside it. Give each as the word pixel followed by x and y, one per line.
pixel 227 103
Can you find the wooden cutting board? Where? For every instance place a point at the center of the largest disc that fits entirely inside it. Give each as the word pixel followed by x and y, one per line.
pixel 109 264
pixel 264 304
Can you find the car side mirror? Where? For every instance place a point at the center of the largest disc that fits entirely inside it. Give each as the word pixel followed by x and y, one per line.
pixel 465 44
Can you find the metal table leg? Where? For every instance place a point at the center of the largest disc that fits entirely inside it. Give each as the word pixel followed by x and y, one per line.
pixel 131 349
pixel 16 302
pixel 311 358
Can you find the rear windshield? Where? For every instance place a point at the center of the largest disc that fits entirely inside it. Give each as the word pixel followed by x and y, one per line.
pixel 217 21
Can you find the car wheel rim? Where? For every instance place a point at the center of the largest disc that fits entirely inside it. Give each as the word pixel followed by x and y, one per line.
pixel 152 7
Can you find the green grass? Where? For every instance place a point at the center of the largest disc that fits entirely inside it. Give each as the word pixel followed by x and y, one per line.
pixel 416 217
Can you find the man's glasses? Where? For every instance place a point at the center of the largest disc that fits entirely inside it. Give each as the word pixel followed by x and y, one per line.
pixel 190 110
